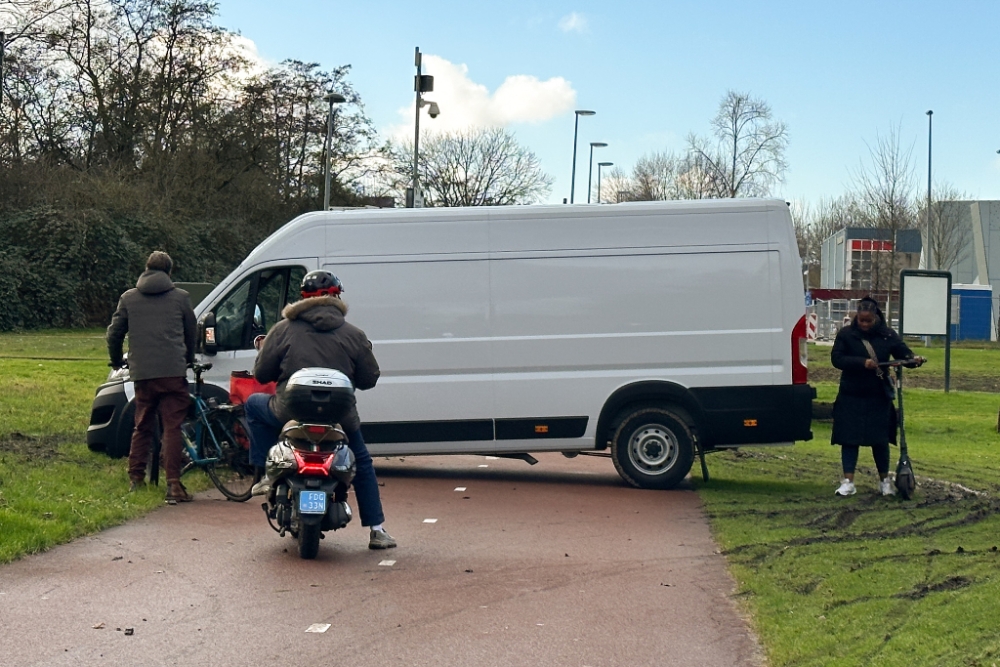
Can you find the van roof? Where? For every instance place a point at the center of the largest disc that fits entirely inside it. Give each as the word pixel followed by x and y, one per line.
pixel 303 223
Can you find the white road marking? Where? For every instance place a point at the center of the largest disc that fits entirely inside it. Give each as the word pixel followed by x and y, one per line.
pixel 318 627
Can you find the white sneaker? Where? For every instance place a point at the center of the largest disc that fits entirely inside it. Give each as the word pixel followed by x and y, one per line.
pixel 886 488
pixel 846 488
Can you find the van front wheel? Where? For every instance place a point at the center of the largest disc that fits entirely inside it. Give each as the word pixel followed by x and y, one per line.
pixel 653 448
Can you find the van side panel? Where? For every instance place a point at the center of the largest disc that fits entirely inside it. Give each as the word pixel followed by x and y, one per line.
pixel 594 322
pixel 429 326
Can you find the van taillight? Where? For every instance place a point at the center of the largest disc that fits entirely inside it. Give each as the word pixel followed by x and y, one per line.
pixel 800 353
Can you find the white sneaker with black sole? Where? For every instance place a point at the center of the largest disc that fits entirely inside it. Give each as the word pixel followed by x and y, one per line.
pixel 846 488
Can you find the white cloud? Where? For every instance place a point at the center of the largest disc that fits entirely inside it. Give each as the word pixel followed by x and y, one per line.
pixel 464 103
pixel 573 22
pixel 248 49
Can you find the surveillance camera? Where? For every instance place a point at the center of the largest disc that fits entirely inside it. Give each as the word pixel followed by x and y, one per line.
pixel 434 110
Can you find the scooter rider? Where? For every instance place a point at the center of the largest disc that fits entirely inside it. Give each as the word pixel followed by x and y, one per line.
pixel 314 333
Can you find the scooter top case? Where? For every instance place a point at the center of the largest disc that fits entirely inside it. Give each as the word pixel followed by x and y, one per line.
pixel 318 395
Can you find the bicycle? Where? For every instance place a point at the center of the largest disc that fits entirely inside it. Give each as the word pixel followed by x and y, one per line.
pixel 216 439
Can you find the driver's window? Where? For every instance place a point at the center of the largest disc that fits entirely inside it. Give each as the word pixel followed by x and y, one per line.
pixel 295 277
pixel 231 316
pixel 270 299
pixel 271 290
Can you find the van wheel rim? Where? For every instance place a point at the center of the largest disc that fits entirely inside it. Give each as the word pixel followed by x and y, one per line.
pixel 653 449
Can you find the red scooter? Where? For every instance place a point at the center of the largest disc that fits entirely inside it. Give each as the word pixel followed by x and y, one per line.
pixel 310 469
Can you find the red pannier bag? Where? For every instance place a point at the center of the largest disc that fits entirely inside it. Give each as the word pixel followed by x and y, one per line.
pixel 242 384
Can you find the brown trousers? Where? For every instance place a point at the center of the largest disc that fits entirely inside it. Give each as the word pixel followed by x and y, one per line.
pixel 170 398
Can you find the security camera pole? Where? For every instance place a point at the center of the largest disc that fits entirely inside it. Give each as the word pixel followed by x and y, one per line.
pixel 421 84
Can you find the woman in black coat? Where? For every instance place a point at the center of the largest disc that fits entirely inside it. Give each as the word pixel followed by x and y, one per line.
pixel 864 414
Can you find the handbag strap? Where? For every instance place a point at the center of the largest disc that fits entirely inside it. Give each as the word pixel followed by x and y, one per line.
pixel 874 357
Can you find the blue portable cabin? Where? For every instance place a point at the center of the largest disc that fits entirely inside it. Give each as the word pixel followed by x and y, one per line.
pixel 972 312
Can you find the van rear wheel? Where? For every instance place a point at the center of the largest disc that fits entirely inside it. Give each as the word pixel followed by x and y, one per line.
pixel 653 448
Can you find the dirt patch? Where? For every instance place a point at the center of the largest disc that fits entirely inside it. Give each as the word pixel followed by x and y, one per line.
pixel 949 584
pixel 32 447
pixel 957 381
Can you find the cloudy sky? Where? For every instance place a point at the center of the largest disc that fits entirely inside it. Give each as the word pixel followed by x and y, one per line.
pixel 838 73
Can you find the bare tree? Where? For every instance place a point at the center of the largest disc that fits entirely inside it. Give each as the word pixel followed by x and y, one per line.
pixel 618 186
pixel 885 189
pixel 813 226
pixel 663 176
pixel 951 229
pixel 745 157
pixel 477 167
pixel 654 177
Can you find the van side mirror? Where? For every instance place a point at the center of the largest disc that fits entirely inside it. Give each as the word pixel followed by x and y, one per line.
pixel 206 334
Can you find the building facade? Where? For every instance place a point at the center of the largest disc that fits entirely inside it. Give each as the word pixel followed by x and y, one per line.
pixel 973 229
pixel 861 258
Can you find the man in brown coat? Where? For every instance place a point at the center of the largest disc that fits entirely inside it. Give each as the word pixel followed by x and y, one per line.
pixel 161 329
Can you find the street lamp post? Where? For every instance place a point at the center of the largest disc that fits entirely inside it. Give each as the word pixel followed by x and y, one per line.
pixel 331 99
pixel 930 239
pixel 3 42
pixel 599 165
pixel 422 83
pixel 576 126
pixel 590 172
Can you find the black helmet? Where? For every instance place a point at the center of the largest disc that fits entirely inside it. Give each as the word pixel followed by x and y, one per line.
pixel 319 283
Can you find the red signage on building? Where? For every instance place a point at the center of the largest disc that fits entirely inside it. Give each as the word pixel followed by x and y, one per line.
pixel 876 246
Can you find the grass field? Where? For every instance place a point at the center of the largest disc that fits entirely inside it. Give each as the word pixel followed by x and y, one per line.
pixel 869 580
pixel 52 488
pixel 828 581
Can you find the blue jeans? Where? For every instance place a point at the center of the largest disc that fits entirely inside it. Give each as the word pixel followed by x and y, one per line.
pixel 265 428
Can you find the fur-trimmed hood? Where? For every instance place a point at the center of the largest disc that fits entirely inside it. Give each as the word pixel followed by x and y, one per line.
pixel 324 313
pixel 315 333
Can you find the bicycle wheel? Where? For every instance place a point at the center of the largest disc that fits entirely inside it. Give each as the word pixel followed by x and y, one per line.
pixel 232 473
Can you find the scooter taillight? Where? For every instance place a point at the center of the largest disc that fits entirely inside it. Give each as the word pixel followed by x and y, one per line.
pixel 316 464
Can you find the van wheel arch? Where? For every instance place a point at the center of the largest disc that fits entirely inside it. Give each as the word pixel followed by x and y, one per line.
pixel 646 394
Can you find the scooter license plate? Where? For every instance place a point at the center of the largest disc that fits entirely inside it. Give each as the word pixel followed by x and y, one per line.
pixel 312 502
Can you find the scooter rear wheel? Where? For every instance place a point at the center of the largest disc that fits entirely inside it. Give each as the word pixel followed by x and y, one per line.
pixel 309 541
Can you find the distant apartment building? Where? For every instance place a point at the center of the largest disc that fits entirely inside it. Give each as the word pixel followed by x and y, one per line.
pixel 860 258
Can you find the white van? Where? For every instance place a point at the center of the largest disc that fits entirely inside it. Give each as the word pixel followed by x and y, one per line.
pixel 644 330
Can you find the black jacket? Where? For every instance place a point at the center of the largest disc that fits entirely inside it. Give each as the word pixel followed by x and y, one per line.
pixel 160 325
pixel 849 355
pixel 863 414
pixel 314 333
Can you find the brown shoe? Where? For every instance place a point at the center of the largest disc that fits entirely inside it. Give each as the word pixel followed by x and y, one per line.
pixel 136 484
pixel 176 493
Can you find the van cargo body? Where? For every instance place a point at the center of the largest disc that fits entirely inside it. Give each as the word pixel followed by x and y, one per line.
pixel 642 329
